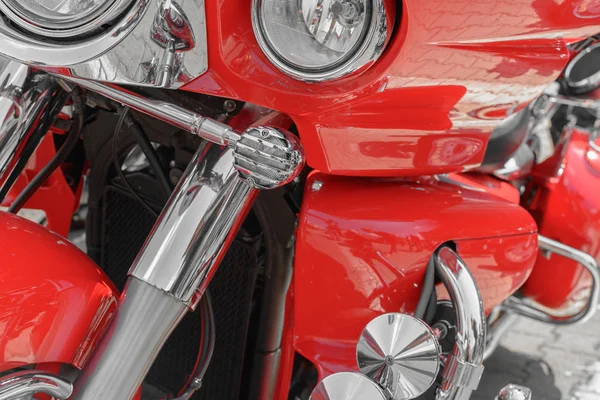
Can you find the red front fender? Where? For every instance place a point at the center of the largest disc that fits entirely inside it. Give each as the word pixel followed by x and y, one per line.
pixel 54 301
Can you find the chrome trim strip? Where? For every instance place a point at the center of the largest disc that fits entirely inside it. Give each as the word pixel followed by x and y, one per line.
pixel 27 383
pixel 530 309
pixel 464 367
pixel 141 49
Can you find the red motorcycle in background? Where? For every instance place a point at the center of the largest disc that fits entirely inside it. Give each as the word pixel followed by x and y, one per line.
pixel 291 199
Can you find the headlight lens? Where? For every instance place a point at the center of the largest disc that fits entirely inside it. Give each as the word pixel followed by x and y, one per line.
pixel 62 18
pixel 320 39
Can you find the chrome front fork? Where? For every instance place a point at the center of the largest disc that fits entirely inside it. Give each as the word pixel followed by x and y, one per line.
pixel 182 253
pixel 29 104
pixel 191 236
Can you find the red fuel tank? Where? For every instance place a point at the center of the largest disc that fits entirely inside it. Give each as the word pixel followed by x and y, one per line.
pixel 363 246
pixel 54 301
pixel 565 202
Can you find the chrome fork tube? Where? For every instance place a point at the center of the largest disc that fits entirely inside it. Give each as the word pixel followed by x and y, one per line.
pixel 29 105
pixel 464 366
pixel 170 273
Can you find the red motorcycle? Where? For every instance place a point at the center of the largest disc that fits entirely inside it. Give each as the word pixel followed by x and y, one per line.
pixel 308 199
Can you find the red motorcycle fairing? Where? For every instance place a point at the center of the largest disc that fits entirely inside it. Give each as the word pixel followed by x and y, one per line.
pixel 363 246
pixel 452 72
pixel 566 206
pixel 54 301
pixel 54 197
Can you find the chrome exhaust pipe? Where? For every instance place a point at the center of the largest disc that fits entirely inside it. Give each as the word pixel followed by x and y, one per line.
pixel 381 348
pixel 182 253
pixel 24 384
pixel 464 367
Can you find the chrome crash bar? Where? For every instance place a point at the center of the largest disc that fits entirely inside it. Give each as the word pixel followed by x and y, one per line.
pixel 528 308
pixel 24 384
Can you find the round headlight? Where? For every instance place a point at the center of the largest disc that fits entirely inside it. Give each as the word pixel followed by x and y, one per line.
pixel 62 18
pixel 316 40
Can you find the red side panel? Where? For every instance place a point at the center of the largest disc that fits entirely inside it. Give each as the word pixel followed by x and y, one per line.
pixel 54 197
pixel 363 246
pixel 567 207
pixel 453 70
pixel 54 301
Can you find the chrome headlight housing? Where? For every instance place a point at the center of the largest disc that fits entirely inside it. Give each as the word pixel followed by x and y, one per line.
pixel 318 40
pixel 160 43
pixel 62 18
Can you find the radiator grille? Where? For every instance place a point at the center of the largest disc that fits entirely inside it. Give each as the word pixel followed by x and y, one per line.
pixel 124 229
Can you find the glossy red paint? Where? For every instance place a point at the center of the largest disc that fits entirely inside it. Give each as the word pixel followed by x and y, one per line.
pixel 363 245
pixel 489 184
pixel 452 71
pixel 54 197
pixel 566 206
pixel 54 303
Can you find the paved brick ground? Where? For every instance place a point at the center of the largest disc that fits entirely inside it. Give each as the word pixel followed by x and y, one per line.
pixel 556 363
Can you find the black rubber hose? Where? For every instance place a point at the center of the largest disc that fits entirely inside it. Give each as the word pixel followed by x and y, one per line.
pixel 60 156
pixel 117 164
pixel 431 308
pixel 428 288
pixel 150 153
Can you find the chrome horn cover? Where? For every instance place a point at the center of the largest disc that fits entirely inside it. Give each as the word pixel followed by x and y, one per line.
pixel 153 43
pixel 401 353
pixel 347 386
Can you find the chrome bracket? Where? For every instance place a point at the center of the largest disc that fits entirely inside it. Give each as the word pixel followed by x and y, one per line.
pixel 463 373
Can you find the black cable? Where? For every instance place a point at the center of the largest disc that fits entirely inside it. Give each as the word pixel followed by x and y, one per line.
pixel 431 308
pixel 150 153
pixel 59 158
pixel 40 131
pixel 117 164
pixel 205 353
pixel 428 288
